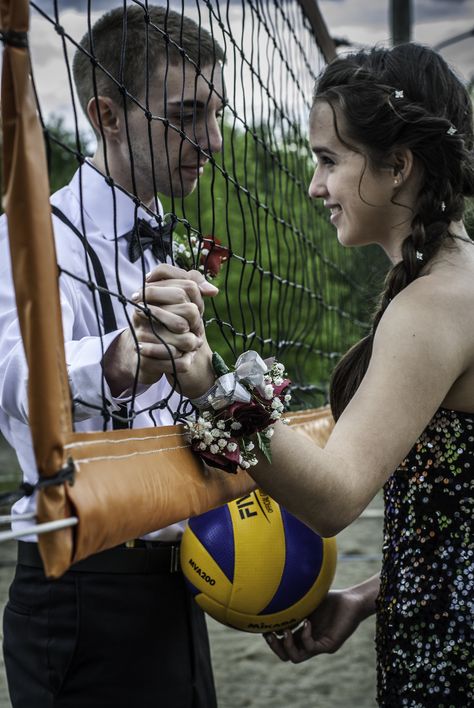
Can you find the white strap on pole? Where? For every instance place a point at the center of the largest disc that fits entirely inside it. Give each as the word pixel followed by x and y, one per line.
pixel 18 517
pixel 39 528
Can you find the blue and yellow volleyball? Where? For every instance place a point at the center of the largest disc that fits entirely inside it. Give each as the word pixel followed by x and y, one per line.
pixel 253 566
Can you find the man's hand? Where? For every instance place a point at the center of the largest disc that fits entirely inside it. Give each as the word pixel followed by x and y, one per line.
pixel 167 329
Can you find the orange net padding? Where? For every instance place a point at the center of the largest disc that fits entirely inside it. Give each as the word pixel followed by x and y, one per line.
pixel 34 267
pixel 126 483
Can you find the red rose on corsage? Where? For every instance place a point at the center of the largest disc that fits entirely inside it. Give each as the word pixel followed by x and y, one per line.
pixel 252 417
pixel 227 459
pixel 213 255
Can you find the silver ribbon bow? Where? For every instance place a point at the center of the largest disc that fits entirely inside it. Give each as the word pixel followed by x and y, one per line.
pixel 250 369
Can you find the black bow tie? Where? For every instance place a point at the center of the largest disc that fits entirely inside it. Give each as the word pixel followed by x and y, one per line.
pixel 144 236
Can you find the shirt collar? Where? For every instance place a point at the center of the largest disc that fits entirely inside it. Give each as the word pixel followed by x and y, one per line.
pixel 100 200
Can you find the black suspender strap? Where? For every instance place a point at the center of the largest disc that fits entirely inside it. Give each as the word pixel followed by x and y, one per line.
pixel 110 323
pixel 108 314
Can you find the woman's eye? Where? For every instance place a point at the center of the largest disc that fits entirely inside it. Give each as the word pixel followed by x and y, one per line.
pixel 324 160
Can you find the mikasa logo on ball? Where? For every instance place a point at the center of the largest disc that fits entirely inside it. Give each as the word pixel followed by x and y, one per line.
pixel 267 503
pixel 275 626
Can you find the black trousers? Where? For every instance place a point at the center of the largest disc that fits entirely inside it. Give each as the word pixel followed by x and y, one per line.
pixel 105 640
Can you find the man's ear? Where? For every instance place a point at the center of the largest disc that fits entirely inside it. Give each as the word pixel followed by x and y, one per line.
pixel 105 117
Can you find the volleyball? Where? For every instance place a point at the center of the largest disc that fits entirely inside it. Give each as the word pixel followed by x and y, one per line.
pixel 252 565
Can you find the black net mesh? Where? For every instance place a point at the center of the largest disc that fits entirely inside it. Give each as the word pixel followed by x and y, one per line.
pixel 287 288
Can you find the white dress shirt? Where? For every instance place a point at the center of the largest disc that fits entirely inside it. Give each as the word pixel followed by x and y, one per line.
pixel 103 214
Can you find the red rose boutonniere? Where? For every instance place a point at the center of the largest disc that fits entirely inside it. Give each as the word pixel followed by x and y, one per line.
pixel 206 253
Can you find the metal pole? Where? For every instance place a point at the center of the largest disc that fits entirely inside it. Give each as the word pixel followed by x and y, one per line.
pixel 400 21
pixel 47 527
pixel 321 33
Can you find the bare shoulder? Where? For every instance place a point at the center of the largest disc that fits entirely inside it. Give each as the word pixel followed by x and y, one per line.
pixel 420 350
pixel 437 312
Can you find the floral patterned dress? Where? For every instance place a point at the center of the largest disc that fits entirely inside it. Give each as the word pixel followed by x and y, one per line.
pixel 425 610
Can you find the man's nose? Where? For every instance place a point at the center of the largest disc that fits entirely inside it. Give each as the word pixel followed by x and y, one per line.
pixel 213 135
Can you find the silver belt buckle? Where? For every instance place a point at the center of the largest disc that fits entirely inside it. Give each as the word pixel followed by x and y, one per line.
pixel 174 560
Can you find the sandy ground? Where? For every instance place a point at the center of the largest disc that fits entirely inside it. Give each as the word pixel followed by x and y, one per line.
pixel 247 674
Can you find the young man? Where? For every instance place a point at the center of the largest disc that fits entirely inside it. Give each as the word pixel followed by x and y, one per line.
pixel 119 631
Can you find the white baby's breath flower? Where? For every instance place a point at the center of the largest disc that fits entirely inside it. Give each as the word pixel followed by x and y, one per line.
pixel 214 449
pixel 222 443
pixel 220 424
pixel 250 446
pixel 208 438
pixel 202 446
pixel 216 432
pixel 278 381
pixel 287 397
pixel 205 252
pixel 235 425
pixel 269 432
pixel 268 391
pixel 181 248
pixel 244 464
pixel 277 404
pixel 275 415
pixel 232 446
pixel 279 368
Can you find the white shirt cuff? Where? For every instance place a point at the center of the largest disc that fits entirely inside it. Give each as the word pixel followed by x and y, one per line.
pixel 90 391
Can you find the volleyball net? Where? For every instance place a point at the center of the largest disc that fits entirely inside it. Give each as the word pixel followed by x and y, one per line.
pixel 285 286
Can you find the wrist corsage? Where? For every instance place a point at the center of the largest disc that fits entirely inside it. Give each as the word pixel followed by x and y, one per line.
pixel 206 253
pixel 244 402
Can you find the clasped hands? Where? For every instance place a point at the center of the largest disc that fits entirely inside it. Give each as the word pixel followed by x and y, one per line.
pixel 166 332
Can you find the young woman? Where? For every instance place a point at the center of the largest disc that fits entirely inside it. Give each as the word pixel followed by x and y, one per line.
pixel 393 136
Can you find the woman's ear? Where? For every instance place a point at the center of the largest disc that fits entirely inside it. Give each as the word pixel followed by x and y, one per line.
pixel 105 117
pixel 401 165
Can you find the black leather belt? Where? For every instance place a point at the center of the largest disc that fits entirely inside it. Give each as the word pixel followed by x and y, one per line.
pixel 143 557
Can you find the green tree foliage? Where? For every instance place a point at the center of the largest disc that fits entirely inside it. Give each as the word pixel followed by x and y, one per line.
pixel 62 150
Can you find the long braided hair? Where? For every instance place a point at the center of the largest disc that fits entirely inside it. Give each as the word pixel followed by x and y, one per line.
pixel 403 97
